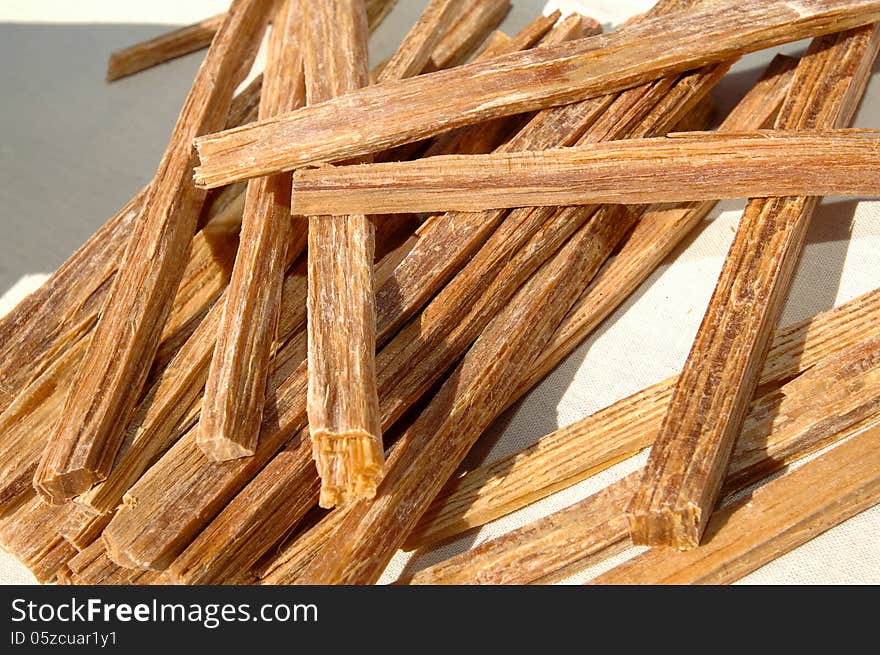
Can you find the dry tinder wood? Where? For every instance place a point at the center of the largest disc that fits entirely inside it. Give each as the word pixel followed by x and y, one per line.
pixel 581 450
pixel 343 405
pixel 775 519
pixel 162 48
pixel 418 45
pixel 401 381
pixel 36 410
pixel 28 532
pixel 139 535
pixel 468 32
pixel 401 112
pixel 431 449
pixel 273 502
pixel 824 405
pixel 232 408
pixel 687 464
pixel 658 232
pixel 677 168
pixel 115 368
pixel 152 541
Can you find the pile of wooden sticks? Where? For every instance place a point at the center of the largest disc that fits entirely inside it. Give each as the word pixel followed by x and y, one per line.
pixel 269 365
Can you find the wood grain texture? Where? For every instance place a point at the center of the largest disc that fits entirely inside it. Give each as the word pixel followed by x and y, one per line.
pixel 680 167
pixel 576 452
pixel 126 337
pixel 275 500
pixel 470 304
pixel 776 518
pixel 401 112
pixel 467 33
pixel 686 467
pixel 420 42
pixel 823 405
pixel 28 420
pixel 152 540
pixel 343 404
pixel 232 408
pixel 481 386
pixel 165 47
pixel 658 232
pixel 28 531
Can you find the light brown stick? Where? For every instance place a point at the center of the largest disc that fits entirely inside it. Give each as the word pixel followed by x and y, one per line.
pixel 778 517
pixel 165 47
pixel 680 167
pixel 343 404
pixel 232 408
pixel 574 453
pixel 286 488
pixel 408 111
pixel 657 234
pixel 172 406
pixel 687 464
pixel 609 289
pixel 792 420
pixel 475 393
pixel 28 532
pixel 468 32
pixel 126 337
pixel 415 52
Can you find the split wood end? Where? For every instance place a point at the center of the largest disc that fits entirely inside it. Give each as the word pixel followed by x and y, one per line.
pixel 220 448
pixel 350 464
pixel 673 527
pixel 58 487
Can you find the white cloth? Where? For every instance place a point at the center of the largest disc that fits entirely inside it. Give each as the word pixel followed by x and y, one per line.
pixel 75 149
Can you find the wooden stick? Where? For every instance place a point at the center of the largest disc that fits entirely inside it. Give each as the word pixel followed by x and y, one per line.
pixel 172 405
pixel 232 408
pixel 579 451
pixel 467 33
pixel 377 10
pixel 38 407
pixel 127 335
pixel 286 488
pixel 401 112
pixel 143 541
pixel 475 393
pixel 777 518
pixel 165 47
pixel 415 52
pixel 657 234
pixel 686 467
pixel 49 321
pixel 824 405
pixel 28 532
pixel 677 168
pixel 343 406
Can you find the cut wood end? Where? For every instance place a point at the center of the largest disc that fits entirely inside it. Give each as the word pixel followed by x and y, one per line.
pixel 666 527
pixel 350 464
pixel 219 448
pixel 118 555
pixel 115 69
pixel 58 488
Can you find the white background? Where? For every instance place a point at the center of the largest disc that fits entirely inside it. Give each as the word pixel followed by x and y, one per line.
pixel 74 149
